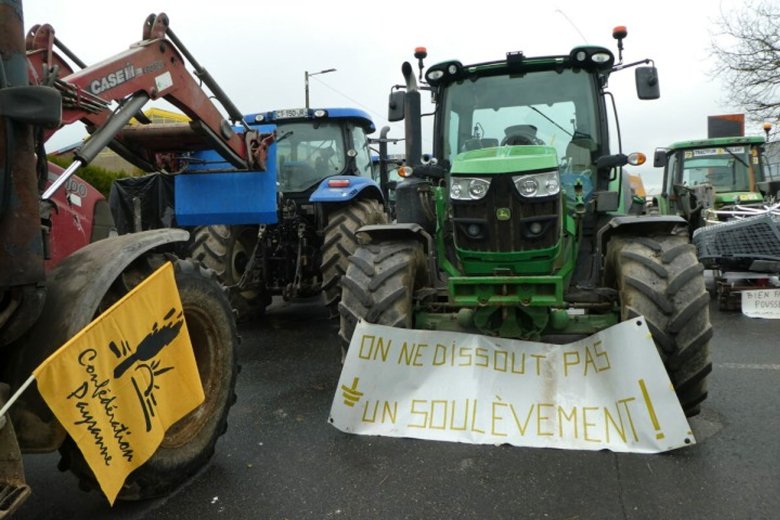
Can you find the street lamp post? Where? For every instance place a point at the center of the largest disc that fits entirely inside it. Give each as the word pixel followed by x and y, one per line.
pixel 306 75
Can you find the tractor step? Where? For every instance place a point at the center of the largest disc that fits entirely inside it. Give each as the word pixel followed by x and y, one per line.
pixel 13 488
pixel 12 495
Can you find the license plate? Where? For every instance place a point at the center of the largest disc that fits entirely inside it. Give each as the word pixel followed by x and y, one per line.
pixel 291 112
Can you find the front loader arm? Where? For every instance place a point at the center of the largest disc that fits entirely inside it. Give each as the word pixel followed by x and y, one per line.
pixel 152 68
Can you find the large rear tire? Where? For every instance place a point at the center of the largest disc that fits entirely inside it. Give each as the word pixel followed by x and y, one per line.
pixel 188 444
pixel 379 285
pixel 227 250
pixel 340 242
pixel 659 277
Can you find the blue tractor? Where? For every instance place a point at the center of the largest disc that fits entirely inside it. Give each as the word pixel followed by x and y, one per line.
pixel 319 170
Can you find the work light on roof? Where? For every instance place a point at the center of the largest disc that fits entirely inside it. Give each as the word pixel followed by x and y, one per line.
pixel 590 57
pixel 441 71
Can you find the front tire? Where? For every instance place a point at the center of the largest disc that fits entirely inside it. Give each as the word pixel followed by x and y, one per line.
pixel 379 286
pixel 189 443
pixel 341 242
pixel 659 277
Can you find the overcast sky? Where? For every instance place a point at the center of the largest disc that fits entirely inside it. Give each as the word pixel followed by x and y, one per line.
pixel 258 51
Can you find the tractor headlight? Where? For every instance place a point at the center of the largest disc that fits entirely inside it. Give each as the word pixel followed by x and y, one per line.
pixel 468 188
pixel 537 184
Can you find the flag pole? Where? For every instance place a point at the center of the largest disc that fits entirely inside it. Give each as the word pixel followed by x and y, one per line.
pixel 14 397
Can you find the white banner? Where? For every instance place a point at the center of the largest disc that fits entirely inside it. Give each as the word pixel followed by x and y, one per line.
pixel 762 303
pixel 609 391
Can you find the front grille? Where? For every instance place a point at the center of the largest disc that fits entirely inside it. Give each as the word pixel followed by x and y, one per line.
pixel 510 235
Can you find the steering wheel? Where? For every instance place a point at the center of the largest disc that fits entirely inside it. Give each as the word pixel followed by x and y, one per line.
pixel 521 139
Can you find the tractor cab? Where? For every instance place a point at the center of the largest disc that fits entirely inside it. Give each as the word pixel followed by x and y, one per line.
pixel 310 145
pixel 315 144
pixel 531 127
pixel 553 108
pixel 712 174
pixel 523 147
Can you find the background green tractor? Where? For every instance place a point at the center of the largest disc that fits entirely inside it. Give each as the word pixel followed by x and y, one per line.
pixel 714 180
pixel 518 225
pixel 723 188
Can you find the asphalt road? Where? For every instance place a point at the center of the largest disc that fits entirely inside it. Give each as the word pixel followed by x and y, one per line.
pixel 280 459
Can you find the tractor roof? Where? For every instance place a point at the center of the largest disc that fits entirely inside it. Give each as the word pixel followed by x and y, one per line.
pixel 297 115
pixel 718 141
pixel 590 58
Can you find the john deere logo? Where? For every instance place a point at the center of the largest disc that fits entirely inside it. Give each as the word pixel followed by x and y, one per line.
pixel 503 214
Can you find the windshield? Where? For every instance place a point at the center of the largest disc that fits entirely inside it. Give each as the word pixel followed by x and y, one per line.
pixel 307 153
pixel 727 169
pixel 548 107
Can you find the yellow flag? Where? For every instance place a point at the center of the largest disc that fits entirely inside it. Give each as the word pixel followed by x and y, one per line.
pixel 124 379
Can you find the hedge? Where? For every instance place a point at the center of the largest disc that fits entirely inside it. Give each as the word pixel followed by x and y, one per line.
pixel 100 178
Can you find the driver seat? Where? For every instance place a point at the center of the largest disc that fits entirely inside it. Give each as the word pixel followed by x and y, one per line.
pixel 520 135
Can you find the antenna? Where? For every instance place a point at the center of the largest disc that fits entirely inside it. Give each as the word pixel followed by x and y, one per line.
pixel 584 40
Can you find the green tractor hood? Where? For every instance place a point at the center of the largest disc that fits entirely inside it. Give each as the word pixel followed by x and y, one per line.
pixel 505 159
pixel 503 231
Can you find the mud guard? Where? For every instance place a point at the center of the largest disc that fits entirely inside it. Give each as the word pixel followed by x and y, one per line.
pixel 641 225
pixel 357 185
pixel 380 232
pixel 75 289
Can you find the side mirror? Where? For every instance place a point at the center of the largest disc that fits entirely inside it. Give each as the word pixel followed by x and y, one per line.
pixel 660 159
pixel 396 106
pixel 607 162
pixel 647 83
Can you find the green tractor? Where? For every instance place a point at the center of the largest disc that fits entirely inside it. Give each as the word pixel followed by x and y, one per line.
pixel 714 180
pixel 518 225
pixel 723 187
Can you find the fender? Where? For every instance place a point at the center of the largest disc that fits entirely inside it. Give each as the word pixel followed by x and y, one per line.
pixel 382 232
pixel 641 225
pixel 354 187
pixel 75 288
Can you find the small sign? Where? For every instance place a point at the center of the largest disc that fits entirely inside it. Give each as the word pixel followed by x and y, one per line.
pixel 762 303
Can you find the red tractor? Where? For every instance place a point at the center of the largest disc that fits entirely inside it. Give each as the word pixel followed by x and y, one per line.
pixel 60 265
